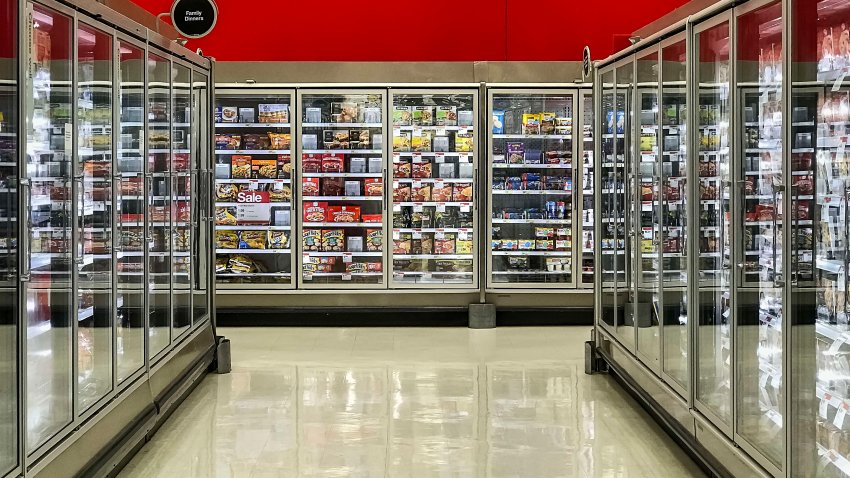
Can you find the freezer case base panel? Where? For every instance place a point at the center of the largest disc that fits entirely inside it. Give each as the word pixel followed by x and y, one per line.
pixel 704 443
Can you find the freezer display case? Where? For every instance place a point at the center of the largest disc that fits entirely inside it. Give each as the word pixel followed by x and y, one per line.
pixel 820 126
pixel 253 188
pixel 588 200
pixel 434 200
pixel 9 310
pixel 532 172
pixel 759 293
pixel 713 133
pixel 630 213
pixel 342 174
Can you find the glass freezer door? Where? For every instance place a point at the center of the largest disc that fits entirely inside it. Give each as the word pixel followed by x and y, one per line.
pixel 531 196
pixel 180 200
pixel 674 212
pixel 713 386
pixel 632 233
pixel 433 187
pixel 49 243
pixel 94 249
pixel 759 307
pixel 159 203
pixel 588 207
pixel 648 283
pixel 9 307
pixel 130 212
pixel 820 126
pixel 343 172
pixel 199 183
pixel 611 190
pixel 253 189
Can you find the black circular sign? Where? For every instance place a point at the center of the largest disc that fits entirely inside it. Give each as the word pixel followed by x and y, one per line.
pixel 194 18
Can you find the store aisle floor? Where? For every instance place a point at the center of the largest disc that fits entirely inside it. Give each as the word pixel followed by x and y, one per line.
pixel 405 402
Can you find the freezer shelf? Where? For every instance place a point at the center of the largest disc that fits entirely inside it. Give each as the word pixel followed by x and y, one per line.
pixel 434 184
pixel 532 173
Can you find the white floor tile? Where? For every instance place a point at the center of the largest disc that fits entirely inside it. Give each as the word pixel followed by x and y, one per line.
pixel 409 402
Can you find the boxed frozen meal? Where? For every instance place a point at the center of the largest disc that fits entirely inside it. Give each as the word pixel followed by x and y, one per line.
pixel 333 163
pixel 315 211
pixel 516 152
pixel 374 240
pixel 276 113
pixel 280 140
pixel 547 123
pixel 423 115
pixel 229 114
pixel 376 165
pixel 310 186
pixel 531 123
pixel 357 165
pixel 464 142
pixel 333 240
pixel 421 193
pixel 371 218
pixel 374 186
pixel 354 244
pixel 402 193
pixel 401 142
pixel 352 188
pixel 312 239
pixel 240 167
pixel 462 192
pixel 311 163
pixel 402 116
pixel 264 168
pixel 421 170
pixel 246 115
pixel 446 245
pixel 446 116
pixel 464 118
pixel 402 170
pixel 312 115
pixel 359 139
pixel 420 141
pixel 284 166
pixel 440 144
pixel 498 121
pixel 343 214
pixel 441 192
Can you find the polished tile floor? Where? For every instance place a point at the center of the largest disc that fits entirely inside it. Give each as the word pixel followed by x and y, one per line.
pixel 409 402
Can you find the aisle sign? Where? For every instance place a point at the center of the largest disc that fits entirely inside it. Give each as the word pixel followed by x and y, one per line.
pixel 194 18
pixel 586 64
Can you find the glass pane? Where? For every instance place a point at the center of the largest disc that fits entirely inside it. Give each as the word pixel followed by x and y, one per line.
pixel 532 188
pixel 759 294
pixel 625 149
pixel 253 189
pixel 433 190
pixel 611 182
pixel 159 203
pixel 94 199
pixel 674 211
pixel 714 347
pixel 9 311
pixel 181 201
pixel 648 267
pixel 200 190
pixel 588 258
pixel 129 201
pixel 49 295
pixel 342 145
pixel 820 125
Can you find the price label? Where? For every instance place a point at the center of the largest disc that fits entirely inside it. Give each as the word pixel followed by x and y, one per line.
pixel 418 207
pixel 823 408
pixel 465 207
pixel 462 130
pixel 395 184
pixel 417 183
pixel 441 131
pixel 396 235
pixel 465 158
pixel 396 131
pixel 438 183
pixel 396 207
pixel 440 234
pixel 347 257
pixel 417 157
pixel 440 158
pixel 308 276
pixel 396 157
pixel 417 234
pixel 441 207
pixel 463 234
pixel 840 415
pixel 346 276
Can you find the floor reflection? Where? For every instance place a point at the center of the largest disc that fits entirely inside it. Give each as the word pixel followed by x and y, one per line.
pixel 509 402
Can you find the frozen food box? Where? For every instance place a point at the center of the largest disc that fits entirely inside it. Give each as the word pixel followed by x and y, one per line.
pixel 547 123
pixel 373 186
pixel 246 115
pixel 315 211
pixel 312 239
pixel 264 168
pixel 357 165
pixel 516 153
pixel 464 118
pixel 343 214
pixel 464 142
pixel 374 240
pixel 275 113
pixel 376 165
pixel 423 115
pixel 310 186
pixel 401 142
pixel 421 141
pixel 229 114
pixel 240 167
pixel 333 240
pixel 446 116
pixel 402 116
pixel 498 121
pixel 531 123
pixel 440 144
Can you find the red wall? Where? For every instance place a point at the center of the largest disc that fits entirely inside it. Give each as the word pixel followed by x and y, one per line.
pixel 434 30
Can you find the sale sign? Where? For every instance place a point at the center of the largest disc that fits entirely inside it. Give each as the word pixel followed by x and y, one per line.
pixel 253 207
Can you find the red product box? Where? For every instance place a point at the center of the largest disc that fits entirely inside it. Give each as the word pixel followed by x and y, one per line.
pixel 343 214
pixel 374 186
pixel 315 211
pixel 376 218
pixel 312 163
pixel 333 163
pixel 310 186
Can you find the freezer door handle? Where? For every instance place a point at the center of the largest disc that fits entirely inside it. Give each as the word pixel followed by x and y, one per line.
pixel 26 192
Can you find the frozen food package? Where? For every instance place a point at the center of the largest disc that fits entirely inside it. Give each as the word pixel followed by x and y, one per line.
pixel 312 240
pixel 447 170
pixel 226 240
pixel 464 142
pixel 421 141
pixel 226 192
pixel 446 245
pixel 354 244
pixel 332 187
pixel 531 123
pixel 441 192
pixel 404 244
pixel 310 186
pixel 352 188
pixel 309 141
pixel 547 123
pixel 446 116
pixel 372 218
pixel 423 115
pixel 280 140
pixel 343 214
pixel 333 240
pixel 281 217
pixel 374 240
pixel 225 216
pixel 277 113
pixel 359 139
pixel 402 142
pixel 465 170
pixel 246 115
pixel 498 121
pixel 264 168
pixel 284 166
pixel 464 118
pixel 402 170
pixel 402 193
pixel 421 193
pixel 312 163
pixel 240 167
pixel 312 115
pixel 229 114
pixel 278 239
pixel 357 165
pixel 371 114
pixel 402 116
pixel 440 144
pixel 280 192
pixel 315 211
pixel 252 240
pixel 462 192
pixel 333 163
pixel 421 170
pixel 516 153
pixel 374 186
pixel 376 165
